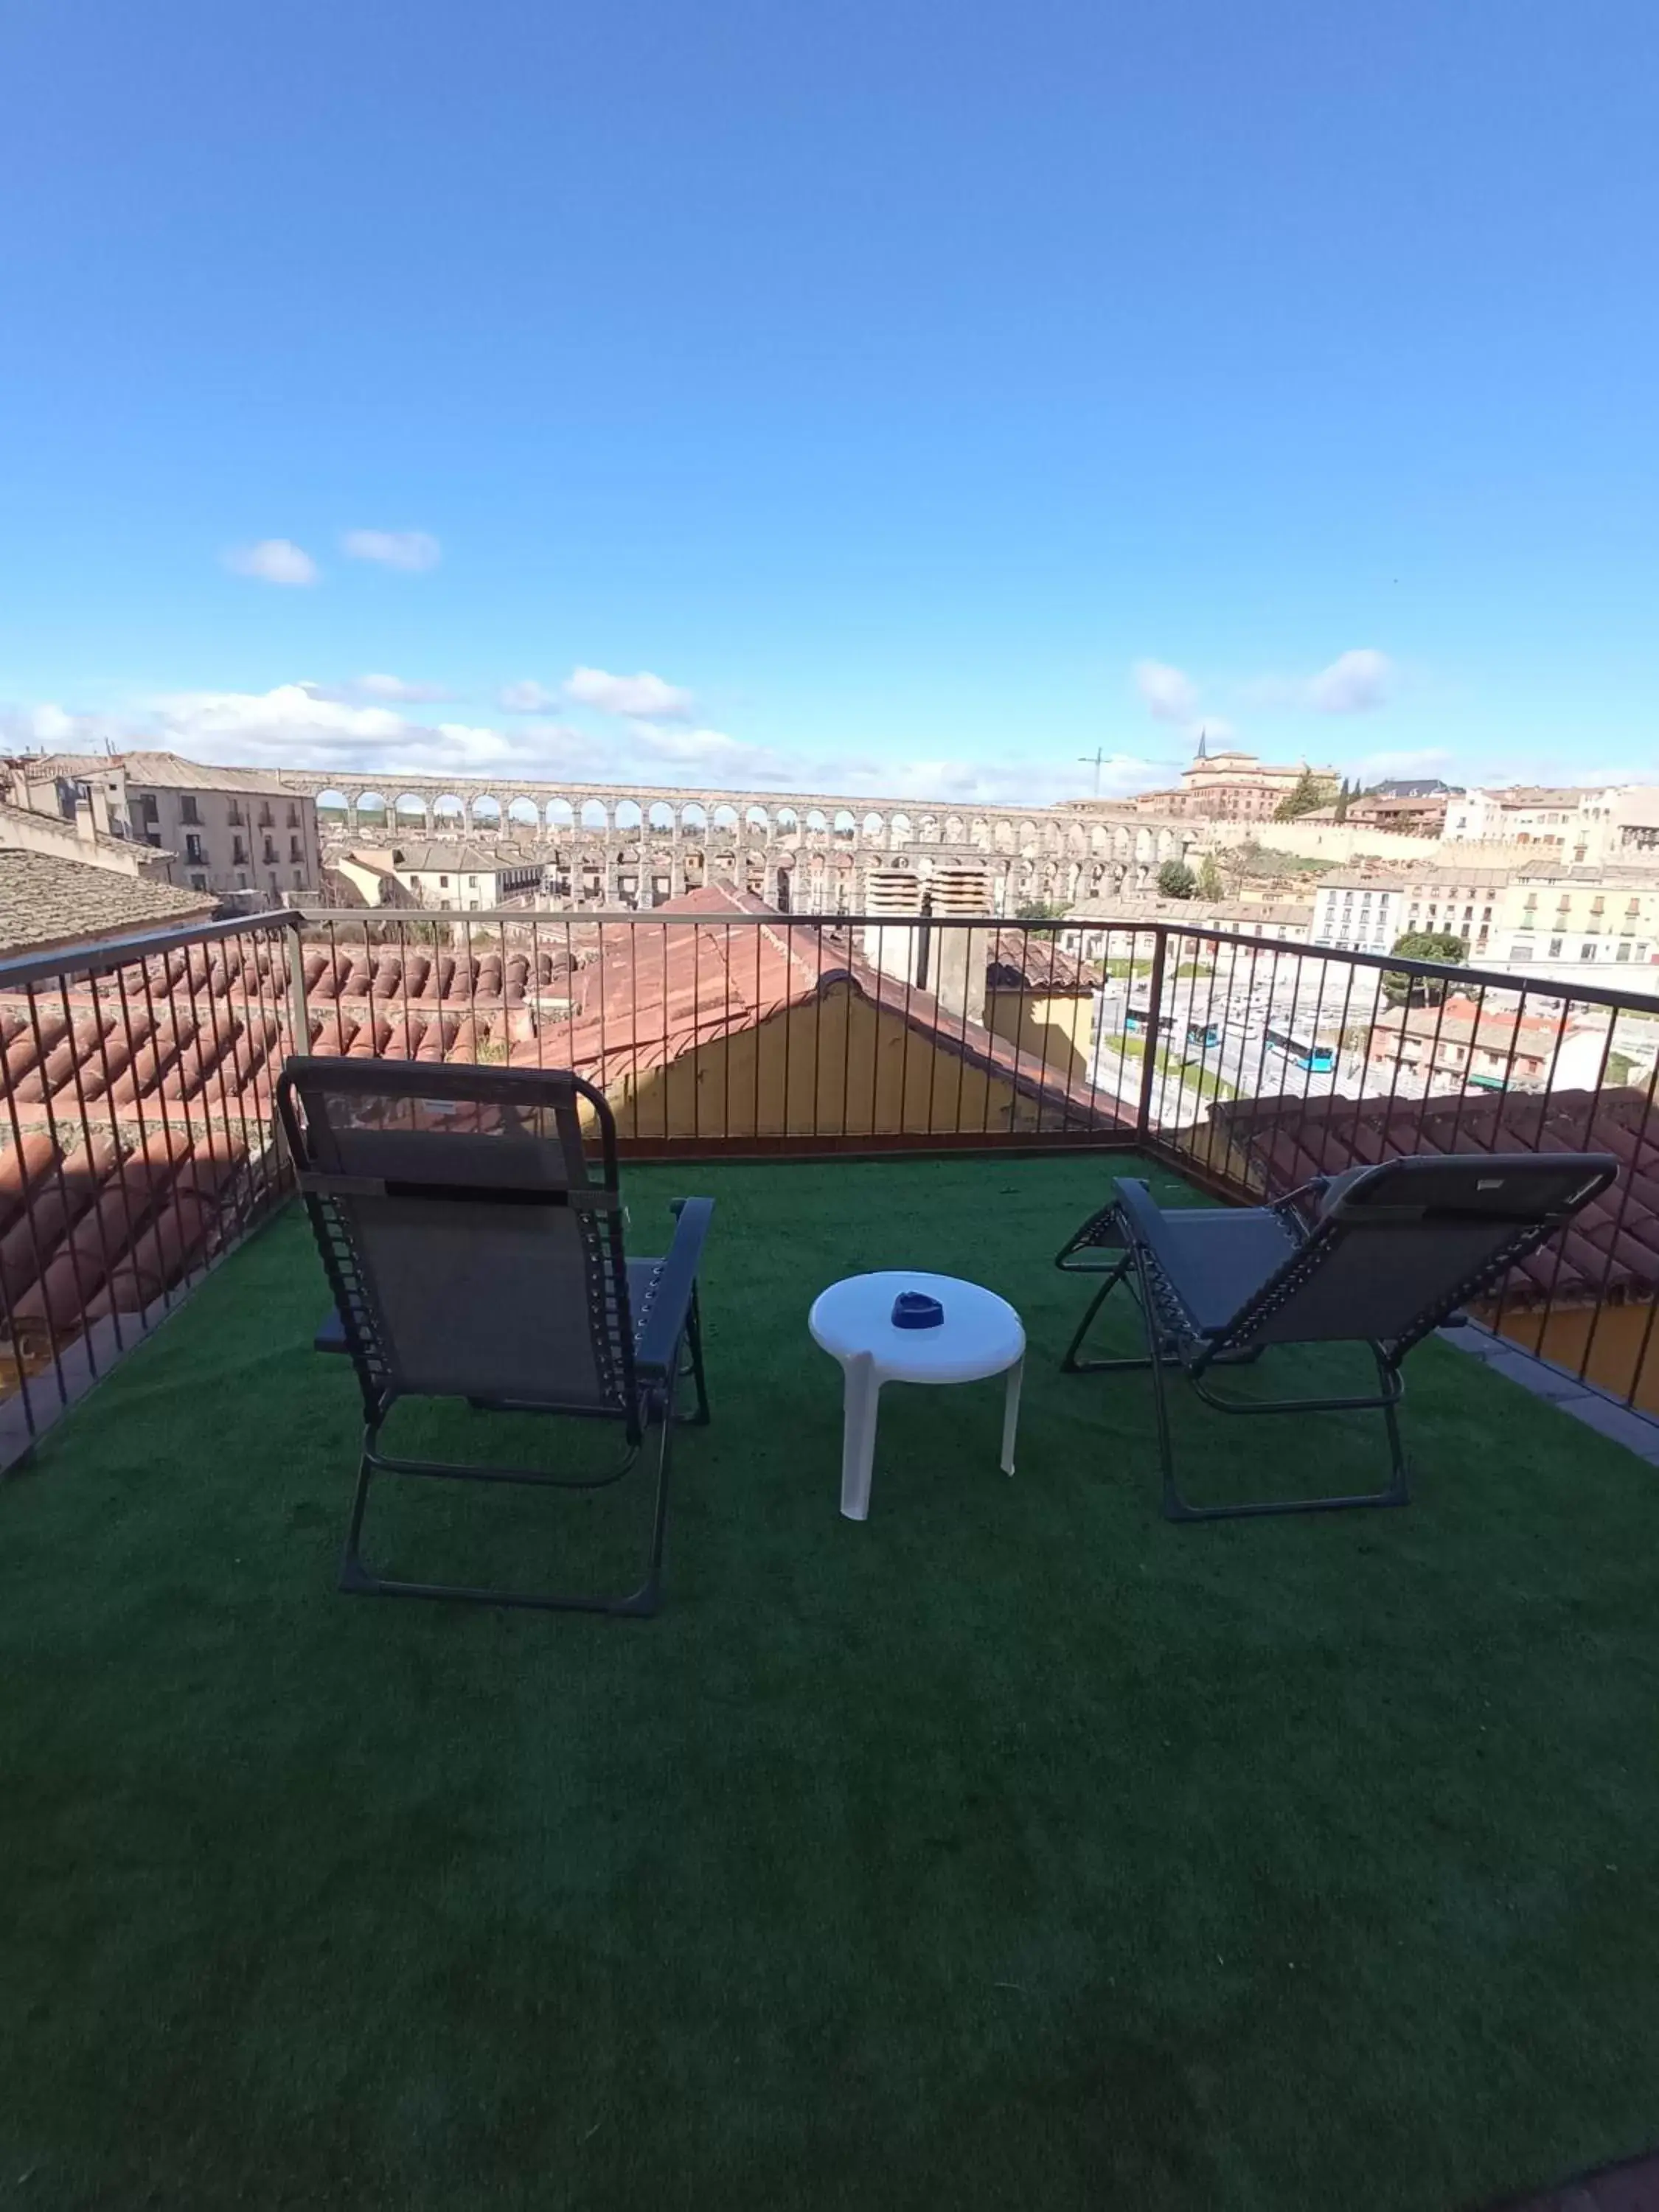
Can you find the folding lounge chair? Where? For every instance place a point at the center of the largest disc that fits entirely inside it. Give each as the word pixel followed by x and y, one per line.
pixel 1380 1256
pixel 475 1251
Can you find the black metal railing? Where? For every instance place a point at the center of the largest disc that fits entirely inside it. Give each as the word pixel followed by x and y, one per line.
pixel 137 1079
pixel 136 1140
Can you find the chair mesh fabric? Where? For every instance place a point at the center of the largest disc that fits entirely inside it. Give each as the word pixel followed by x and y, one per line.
pixel 452 1295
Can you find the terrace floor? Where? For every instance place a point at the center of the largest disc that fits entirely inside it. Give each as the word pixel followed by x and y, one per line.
pixel 1014 1848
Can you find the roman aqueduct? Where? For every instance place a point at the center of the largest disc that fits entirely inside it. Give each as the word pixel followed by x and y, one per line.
pixel 803 852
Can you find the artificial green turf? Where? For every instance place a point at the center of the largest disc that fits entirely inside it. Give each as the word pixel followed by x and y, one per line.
pixel 1013 1849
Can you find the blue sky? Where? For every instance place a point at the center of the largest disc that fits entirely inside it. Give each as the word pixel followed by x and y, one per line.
pixel 924 395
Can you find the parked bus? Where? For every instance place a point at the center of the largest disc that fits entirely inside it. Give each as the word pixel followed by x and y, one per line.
pixel 1311 1059
pixel 1203 1035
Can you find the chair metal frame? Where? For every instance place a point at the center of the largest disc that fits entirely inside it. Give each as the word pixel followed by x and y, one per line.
pixel 648 1353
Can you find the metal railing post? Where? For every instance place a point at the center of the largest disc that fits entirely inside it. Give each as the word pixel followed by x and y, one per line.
pixel 299 1010
pixel 1154 1015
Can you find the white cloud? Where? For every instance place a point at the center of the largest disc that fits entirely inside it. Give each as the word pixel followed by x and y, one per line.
pixel 273 560
pixel 373 742
pixel 393 549
pixel 1354 683
pixel 644 695
pixel 525 697
pixel 1170 695
pixel 390 688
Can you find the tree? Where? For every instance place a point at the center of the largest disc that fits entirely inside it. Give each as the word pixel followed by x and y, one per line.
pixel 1210 883
pixel 1311 791
pixel 1342 801
pixel 1040 910
pixel 1175 880
pixel 1400 989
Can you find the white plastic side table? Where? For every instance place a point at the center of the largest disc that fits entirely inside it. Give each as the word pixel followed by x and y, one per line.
pixel 852 1321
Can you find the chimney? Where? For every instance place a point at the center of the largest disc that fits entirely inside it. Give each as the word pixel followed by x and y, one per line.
pixel 86 830
pixel 960 956
pixel 948 963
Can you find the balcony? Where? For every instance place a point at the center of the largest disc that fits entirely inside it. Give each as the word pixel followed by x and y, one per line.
pixel 1015 1847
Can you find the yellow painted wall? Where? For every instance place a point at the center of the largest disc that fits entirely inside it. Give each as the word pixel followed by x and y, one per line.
pixel 1057 1027
pixel 1620 1340
pixel 837 1066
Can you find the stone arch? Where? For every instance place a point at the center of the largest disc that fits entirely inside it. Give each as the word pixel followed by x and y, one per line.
pixel 786 821
pixel 845 824
pixel 953 830
pixel 450 808
pixel 726 817
pixel 927 830
pixel 757 818
pixel 627 815
pixel 561 815
pixel 486 807
pixel 694 815
pixel 524 811
pixel 409 804
pixel 372 802
pixel 816 821
pixel 872 825
pixel 979 833
pixel 1002 836
pixel 595 815
pixel 659 815
pixel 898 831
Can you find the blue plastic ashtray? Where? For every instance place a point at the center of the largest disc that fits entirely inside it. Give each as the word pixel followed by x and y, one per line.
pixel 915 1310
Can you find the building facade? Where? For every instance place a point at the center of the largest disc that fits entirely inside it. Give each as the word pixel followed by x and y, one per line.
pixel 1233 786
pixel 231 830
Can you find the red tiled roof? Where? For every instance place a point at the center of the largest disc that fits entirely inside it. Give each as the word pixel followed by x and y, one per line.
pixel 639 1010
pixel 1610 1250
pixel 1017 960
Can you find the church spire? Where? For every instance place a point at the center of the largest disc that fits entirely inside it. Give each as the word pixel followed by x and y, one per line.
pixel 1203 752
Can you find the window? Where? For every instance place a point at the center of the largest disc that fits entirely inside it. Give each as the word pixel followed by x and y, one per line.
pixel 1623 953
pixel 444 903
pixel 188 810
pixel 1520 949
pixel 293 816
pixel 266 818
pixel 294 850
pixel 270 851
pixel 238 850
pixel 1587 950
pixel 1555 948
pixel 298 879
pixel 473 906
pixel 233 815
pixel 193 847
pixel 472 883
pixel 443 885
pixel 241 879
pixel 198 882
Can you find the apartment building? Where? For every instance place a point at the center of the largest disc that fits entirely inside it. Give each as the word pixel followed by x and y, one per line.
pixel 1101 929
pixel 73 806
pixel 1463 1045
pixel 1367 912
pixel 230 829
pixel 1231 786
pixel 1581 919
pixel 1522 814
pixel 466 879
